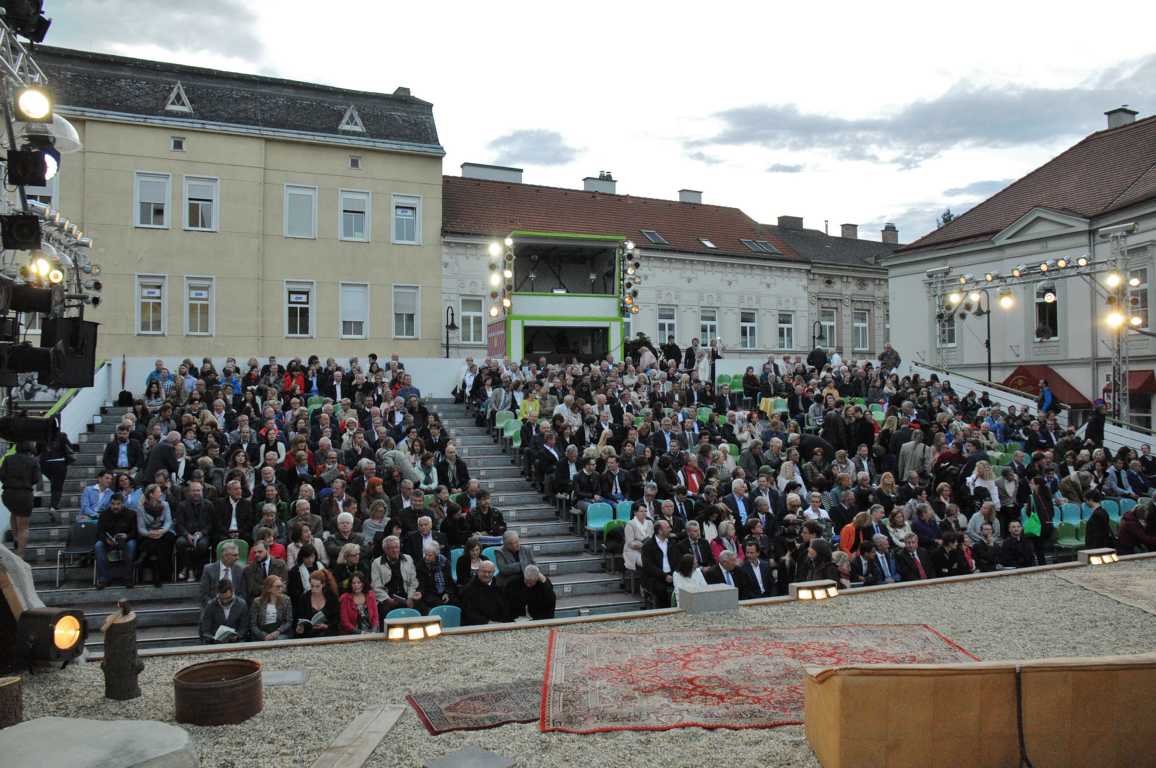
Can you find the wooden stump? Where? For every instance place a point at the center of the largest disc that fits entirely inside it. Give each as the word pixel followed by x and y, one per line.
pixel 121 665
pixel 11 701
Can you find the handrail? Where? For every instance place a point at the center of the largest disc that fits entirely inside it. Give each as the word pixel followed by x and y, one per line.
pixel 57 407
pixel 994 385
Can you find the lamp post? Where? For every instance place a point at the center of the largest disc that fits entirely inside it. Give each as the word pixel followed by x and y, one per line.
pixel 978 303
pixel 450 326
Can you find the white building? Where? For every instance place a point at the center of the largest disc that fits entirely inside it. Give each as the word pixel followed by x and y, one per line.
pixel 1055 327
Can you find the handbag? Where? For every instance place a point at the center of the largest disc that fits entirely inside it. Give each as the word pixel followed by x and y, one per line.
pixel 1033 526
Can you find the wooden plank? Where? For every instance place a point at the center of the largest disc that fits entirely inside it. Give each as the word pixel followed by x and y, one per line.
pixel 356 743
pixel 15 604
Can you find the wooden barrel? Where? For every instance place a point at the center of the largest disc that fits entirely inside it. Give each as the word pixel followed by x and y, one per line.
pixel 223 692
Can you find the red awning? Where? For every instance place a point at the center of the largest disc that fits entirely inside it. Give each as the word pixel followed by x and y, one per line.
pixel 1026 378
pixel 1142 382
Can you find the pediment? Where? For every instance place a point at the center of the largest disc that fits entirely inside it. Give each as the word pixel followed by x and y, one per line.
pixel 1041 222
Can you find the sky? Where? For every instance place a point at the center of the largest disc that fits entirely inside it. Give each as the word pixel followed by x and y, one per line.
pixel 860 113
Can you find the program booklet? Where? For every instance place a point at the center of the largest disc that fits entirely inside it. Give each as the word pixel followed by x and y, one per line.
pixel 225 632
pixel 318 618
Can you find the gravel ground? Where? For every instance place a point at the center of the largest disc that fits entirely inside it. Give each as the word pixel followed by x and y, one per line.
pixel 1027 616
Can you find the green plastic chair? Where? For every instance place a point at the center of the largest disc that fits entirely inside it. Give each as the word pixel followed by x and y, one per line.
pixel 451 615
pixel 1112 507
pixel 500 419
pixel 704 414
pixel 734 449
pixel 315 400
pixel 242 549
pixel 722 380
pixel 779 405
pixel 1070 535
pixel 512 430
pixel 858 401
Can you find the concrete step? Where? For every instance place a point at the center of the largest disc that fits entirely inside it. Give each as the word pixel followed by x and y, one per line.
pixel 87 597
pixel 552 545
pixel 539 528
pixel 577 584
pixel 185 614
pixel 47 534
pixel 91 448
pixel 528 514
pixel 150 637
pixel 473 440
pixel 501 498
pixel 507 470
pixel 590 605
pixel 483 461
pixel 570 563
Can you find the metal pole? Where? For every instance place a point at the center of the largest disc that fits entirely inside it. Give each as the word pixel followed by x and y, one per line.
pixel 987 341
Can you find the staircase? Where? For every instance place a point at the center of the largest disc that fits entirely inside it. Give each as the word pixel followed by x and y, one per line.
pixel 168 616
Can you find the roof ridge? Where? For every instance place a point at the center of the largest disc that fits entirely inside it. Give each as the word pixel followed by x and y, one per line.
pixel 604 194
pixel 1128 188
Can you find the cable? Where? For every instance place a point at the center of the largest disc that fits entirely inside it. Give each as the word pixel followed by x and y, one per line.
pixel 1025 762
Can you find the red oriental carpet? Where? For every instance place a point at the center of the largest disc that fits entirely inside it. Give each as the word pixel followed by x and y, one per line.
pixel 473 709
pixel 719 678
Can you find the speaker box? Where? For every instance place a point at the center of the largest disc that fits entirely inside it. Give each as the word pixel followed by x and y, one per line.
pixel 77 367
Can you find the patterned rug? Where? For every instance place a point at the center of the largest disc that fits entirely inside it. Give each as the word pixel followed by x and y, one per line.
pixel 1132 586
pixel 724 678
pixel 473 709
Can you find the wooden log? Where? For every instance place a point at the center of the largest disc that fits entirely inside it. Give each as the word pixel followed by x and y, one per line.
pixel 11 701
pixel 121 665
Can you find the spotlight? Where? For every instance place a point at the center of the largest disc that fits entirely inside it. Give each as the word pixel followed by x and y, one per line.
pixel 1045 265
pixel 814 590
pixel 1113 280
pixel 509 242
pixel 27 168
pixel 629 300
pixel 506 302
pixel 974 296
pixel 495 279
pixel 634 310
pixel 989 276
pixel 33 105
pixel 954 298
pixel 630 270
pixel 507 273
pixel 1018 270
pixel 1061 263
pixel 1006 299
pixel 963 279
pixel 20 232
pixel 46 637
pixel 1049 297
pixel 493 310
pixel 26 18
pixel 41 265
pixel 55 276
pixel 1082 261
pixel 1134 281
pixel 495 249
pixel 629 245
pixel 1101 556
pixel 1115 319
pixel 419 628
pixel 1135 321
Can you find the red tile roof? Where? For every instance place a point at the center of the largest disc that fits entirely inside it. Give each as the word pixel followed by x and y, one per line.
pixel 1108 170
pixel 1026 378
pixel 496 208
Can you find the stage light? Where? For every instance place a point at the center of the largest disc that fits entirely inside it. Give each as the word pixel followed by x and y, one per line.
pixel 493 311
pixel 509 242
pixel 1135 321
pixel 954 298
pixel 49 636
pixel 1050 297
pixel 1134 281
pixel 51 168
pixel 630 270
pixel 26 18
pixel 814 590
pixel 506 302
pixel 1018 270
pixel 495 250
pixel 989 276
pixel 33 105
pixel 629 245
pixel 1113 279
pixel 1115 319
pixel 1061 263
pixel 508 273
pixel 1046 265
pixel 1082 261
pixel 26 168
pixel 418 628
pixel 629 300
pixel 965 279
pixel 20 232
pixel 55 276
pixel 41 266
pixel 974 296
pixel 1099 556
pixel 1006 299
pixel 495 279
pixel 634 310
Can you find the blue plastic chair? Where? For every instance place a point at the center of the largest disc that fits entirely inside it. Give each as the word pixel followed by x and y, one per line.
pixel 624 510
pixel 1070 513
pixel 1127 505
pixel 451 615
pixel 597 516
pixel 1112 507
pixel 403 613
pixel 455 555
pixel 491 554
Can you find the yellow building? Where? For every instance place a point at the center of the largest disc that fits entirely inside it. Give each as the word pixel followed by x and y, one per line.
pixel 237 214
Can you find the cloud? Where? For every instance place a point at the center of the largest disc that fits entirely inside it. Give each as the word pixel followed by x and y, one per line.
pixel 967 115
pixel 978 188
pixel 785 168
pixel 915 221
pixel 703 157
pixel 532 147
pixel 222 27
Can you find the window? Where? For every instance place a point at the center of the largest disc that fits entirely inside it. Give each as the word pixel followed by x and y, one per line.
pixel 177 143
pixel 300 211
pixel 355 208
pixel 45 195
pixel 354 310
pixel 761 246
pixel 628 328
pixel 1138 296
pixel 667 325
pixel 945 328
pixel 786 330
pixel 748 329
pixel 30 321
pixel 707 325
pixel 860 330
pixel 299 309
pixel 355 162
pixel 201 203
pixel 198 306
pixel 150 305
pixel 471 320
pixel 1047 312
pixel 151 193
pixel 654 237
pixel 405 307
pixel 406 220
pixel 178 101
pixel 828 320
pixel 707 243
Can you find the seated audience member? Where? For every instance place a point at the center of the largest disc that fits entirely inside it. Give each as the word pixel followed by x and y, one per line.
pixel 116 533
pixel 233 516
pixel 1132 533
pixel 865 568
pixel 530 594
pixel 885 557
pixel 359 612
pixel 269 519
pixel 482 601
pixel 271 614
pixel 822 566
pixel 486 520
pixel 304 535
pixel 350 561
pixel 511 559
pixel 696 546
pixel 342 535
pixel 303 515
pixel 318 602
pixel 155 537
pixel 260 568
pixel 193 523
pixel 305 565
pixel 760 577
pixel 225 610
pixel 726 572
pixel 1016 551
pixel 435 582
pixel 687 576
pixel 949 559
pixel 727 540
pixel 415 542
pixel 470 561
pixel 265 535
pixel 985 551
pixel 913 562
pixel 394 578
pixel 843 564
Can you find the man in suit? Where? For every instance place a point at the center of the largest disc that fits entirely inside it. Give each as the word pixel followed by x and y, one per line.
pixel 865 567
pixel 659 560
pixel 122 452
pixel 193 525
pixel 452 471
pixel 336 387
pixel 225 569
pixel 228 610
pixel 546 460
pixel 661 439
pixel 262 567
pixel 402 506
pixel 760 576
pixel 233 516
pixel 694 544
pixel 690 356
pixel 511 559
pixel 415 542
pixel 614 483
pixel 885 557
pixel 914 456
pixel 727 572
pixel 738 502
pixel 913 563
pixel 162 456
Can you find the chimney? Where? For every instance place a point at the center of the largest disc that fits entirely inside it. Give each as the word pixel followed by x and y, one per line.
pixel 492 173
pixel 851 231
pixel 603 183
pixel 890 234
pixel 401 90
pixel 690 196
pixel 790 222
pixel 1121 115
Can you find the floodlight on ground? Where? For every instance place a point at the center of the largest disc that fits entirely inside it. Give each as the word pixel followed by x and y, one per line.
pixel 418 628
pixel 1099 556
pixel 1113 280
pixel 33 104
pixel 50 636
pixel 814 590
pixel 1006 299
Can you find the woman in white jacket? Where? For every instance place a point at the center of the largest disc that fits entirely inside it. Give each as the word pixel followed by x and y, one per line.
pixel 637 530
pixel 984 477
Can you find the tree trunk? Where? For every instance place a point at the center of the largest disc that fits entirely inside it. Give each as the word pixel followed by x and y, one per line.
pixel 121 665
pixel 11 701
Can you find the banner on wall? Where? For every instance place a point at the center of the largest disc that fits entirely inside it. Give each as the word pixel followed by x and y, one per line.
pixel 496 339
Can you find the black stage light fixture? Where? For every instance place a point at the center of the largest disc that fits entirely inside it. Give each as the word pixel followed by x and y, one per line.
pixel 26 18
pixel 27 168
pixel 75 365
pixel 20 232
pixel 29 429
pixel 18 297
pixel 47 637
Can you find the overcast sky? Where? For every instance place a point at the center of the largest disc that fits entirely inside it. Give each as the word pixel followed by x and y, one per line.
pixel 863 113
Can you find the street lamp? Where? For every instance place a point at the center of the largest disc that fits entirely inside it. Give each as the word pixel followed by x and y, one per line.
pixel 450 327
pixel 979 305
